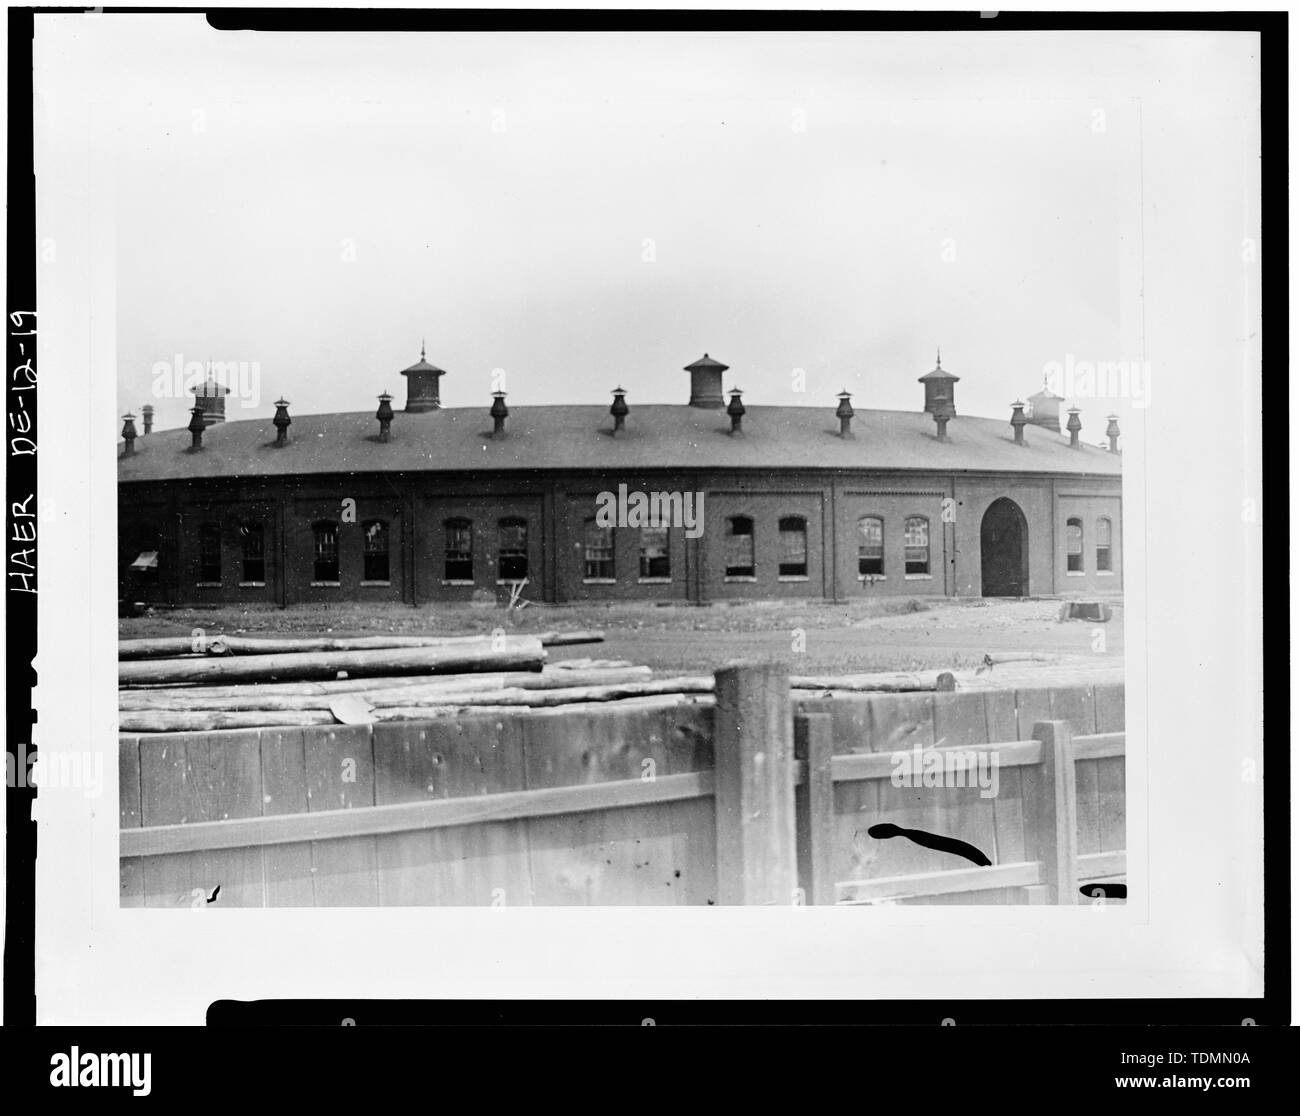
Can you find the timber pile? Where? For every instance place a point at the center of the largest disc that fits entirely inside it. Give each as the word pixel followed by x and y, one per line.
pixel 249 682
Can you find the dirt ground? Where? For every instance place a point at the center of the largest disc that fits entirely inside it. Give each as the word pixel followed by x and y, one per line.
pixel 813 637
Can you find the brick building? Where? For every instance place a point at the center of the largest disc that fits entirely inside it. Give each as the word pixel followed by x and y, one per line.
pixel 433 503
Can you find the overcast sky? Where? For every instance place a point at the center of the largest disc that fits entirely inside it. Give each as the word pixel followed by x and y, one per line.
pixel 586 211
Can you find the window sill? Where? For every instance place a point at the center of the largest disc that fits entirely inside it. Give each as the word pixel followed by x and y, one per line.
pixel 459 581
pixel 872 577
pixel 513 581
pixel 252 584
pixel 207 585
pixel 792 577
pixel 918 577
pixel 325 584
pixel 1105 573
pixel 737 579
pixel 600 581
pixel 376 583
pixel 654 580
pixel 1076 573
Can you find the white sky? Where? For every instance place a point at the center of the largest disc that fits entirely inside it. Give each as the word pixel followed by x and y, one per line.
pixel 246 164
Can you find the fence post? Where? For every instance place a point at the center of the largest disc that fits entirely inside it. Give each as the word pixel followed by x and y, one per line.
pixel 754 785
pixel 815 808
pixel 1054 833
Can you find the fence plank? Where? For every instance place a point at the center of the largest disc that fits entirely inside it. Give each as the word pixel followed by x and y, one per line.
pixel 966 812
pixel 1054 828
pixel 466 865
pixel 1008 806
pixel 754 785
pixel 202 777
pixel 815 808
pixel 902 722
pixel 131 871
pixel 1111 780
pixel 638 855
pixel 289 877
pixel 1077 705
pixel 340 771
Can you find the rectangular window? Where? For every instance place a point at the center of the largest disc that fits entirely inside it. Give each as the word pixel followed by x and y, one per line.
pixel 739 547
pixel 871 546
pixel 374 556
pixel 325 537
pixel 1074 545
pixel 1103 545
pixel 916 545
pixel 794 547
pixel 210 553
pixel 252 540
pixel 598 552
pixel 512 550
pixel 458 550
pixel 656 562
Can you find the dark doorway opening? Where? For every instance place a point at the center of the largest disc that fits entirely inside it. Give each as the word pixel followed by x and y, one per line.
pixel 1004 551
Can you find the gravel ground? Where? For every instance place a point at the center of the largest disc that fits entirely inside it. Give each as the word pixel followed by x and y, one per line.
pixel 814 638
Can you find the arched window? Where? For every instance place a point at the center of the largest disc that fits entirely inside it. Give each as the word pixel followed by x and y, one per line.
pixel 739 547
pixel 1103 545
pixel 210 553
pixel 458 550
pixel 374 550
pixel 656 559
pixel 916 545
pixel 325 543
pixel 871 546
pixel 597 552
pixel 512 549
pixel 793 537
pixel 1074 545
pixel 252 544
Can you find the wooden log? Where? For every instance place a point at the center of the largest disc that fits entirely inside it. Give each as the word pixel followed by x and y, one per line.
pixel 890 682
pixel 316 695
pixel 539 698
pixel 176 646
pixel 208 720
pixel 430 712
pixel 510 652
pixel 423 691
pixel 569 639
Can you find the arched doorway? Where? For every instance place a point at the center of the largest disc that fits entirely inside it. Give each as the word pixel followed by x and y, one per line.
pixel 1004 550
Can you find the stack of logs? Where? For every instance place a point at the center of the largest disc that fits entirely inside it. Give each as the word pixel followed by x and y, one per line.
pixel 224 682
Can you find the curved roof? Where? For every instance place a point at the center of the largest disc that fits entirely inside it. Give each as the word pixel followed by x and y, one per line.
pixel 657 436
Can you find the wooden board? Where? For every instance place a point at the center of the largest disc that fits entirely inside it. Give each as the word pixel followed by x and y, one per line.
pixel 1009 806
pixel 131 869
pixel 662 855
pixel 966 813
pixel 1077 705
pixel 1111 784
pixel 483 864
pixel 202 777
pixel 289 877
pixel 340 771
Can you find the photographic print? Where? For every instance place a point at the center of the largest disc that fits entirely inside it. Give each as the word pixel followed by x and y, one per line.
pixel 648 509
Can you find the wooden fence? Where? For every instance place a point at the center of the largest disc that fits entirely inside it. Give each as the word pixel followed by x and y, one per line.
pixel 747 801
